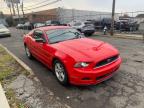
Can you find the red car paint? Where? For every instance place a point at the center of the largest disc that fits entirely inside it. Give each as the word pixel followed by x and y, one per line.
pixel 77 50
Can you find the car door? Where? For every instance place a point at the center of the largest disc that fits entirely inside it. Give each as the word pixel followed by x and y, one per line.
pixel 39 48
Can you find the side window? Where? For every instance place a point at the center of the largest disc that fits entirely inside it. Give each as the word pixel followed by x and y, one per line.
pixel 38 34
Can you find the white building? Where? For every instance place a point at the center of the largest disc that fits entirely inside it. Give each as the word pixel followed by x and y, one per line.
pixel 68 15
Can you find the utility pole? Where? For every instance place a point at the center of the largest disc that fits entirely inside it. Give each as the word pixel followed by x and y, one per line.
pixel 18 12
pixel 13 7
pixel 22 8
pixel 9 5
pixel 73 15
pixel 10 10
pixel 113 18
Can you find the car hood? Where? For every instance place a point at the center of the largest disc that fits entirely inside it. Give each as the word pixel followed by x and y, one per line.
pixel 4 30
pixel 86 49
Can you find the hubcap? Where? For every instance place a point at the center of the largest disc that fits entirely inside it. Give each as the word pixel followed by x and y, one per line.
pixel 59 70
pixel 27 52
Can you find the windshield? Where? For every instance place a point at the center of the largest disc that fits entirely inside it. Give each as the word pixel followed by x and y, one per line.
pixel 59 35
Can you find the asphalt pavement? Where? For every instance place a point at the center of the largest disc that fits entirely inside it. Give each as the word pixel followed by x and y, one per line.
pixel 124 90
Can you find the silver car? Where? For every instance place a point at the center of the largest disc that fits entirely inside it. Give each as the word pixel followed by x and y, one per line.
pixel 4 31
pixel 85 27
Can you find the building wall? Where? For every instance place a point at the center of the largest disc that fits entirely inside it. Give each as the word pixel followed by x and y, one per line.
pixel 68 15
pixel 42 16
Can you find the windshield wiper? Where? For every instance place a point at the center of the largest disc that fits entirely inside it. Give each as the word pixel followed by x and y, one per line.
pixel 55 42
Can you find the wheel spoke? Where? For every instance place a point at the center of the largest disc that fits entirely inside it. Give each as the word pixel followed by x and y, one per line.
pixel 27 51
pixel 59 66
pixel 59 71
pixel 62 75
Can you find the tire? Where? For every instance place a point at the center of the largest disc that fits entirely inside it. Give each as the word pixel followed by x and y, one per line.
pixel 60 72
pixel 28 53
pixel 89 34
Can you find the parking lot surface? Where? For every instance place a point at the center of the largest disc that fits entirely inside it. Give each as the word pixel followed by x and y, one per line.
pixel 124 90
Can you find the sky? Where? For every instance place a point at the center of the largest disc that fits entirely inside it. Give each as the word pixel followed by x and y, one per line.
pixel 95 5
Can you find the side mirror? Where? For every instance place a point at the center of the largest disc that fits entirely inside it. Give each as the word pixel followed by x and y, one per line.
pixel 40 40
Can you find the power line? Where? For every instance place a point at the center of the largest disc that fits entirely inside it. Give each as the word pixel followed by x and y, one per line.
pixel 42 5
pixel 37 4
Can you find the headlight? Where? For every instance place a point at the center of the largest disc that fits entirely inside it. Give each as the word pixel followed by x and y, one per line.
pixel 81 64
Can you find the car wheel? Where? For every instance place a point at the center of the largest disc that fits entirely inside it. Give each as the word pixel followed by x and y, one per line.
pixel 91 34
pixel 60 72
pixel 88 34
pixel 28 53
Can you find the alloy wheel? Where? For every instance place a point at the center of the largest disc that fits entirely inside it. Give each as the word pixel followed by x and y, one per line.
pixel 60 72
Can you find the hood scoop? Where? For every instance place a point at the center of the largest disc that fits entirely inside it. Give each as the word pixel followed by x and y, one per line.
pixel 98 47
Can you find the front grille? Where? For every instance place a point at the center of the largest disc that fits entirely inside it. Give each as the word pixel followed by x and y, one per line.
pixel 106 75
pixel 107 61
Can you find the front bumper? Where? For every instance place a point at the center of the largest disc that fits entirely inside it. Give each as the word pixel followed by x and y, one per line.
pixel 95 76
pixel 5 34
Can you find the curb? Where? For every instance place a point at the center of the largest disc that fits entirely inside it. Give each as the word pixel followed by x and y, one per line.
pixel 121 36
pixel 128 37
pixel 3 99
pixel 26 67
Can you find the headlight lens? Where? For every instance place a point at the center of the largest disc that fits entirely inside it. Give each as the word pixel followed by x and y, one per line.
pixel 81 65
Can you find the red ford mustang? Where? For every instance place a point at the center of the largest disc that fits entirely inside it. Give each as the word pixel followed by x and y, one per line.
pixel 73 58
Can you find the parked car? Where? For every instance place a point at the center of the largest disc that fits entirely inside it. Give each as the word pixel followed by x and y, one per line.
pixel 126 25
pixel 4 31
pixel 52 23
pixel 84 27
pixel 37 25
pixel 73 58
pixel 97 24
pixel 141 27
pixel 101 23
pixel 28 26
pixel 20 26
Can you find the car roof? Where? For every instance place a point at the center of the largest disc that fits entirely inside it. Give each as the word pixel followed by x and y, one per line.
pixel 46 28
